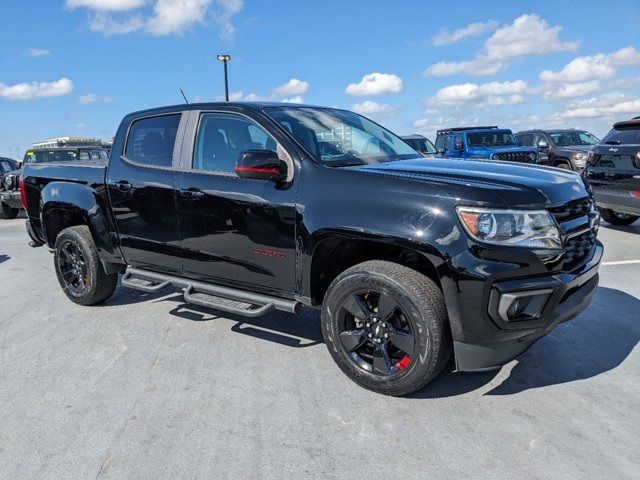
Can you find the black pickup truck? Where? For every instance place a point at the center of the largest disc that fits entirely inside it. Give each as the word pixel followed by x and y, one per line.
pixel 246 208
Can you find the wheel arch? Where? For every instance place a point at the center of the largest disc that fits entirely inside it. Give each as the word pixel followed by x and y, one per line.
pixel 335 250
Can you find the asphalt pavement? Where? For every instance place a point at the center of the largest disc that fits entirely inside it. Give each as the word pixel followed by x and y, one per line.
pixel 146 387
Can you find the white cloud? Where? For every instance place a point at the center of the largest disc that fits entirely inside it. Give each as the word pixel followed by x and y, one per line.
pixel 590 67
pixel 492 93
pixel 81 125
pixel 174 16
pixel 446 37
pixel 528 35
pixel 31 90
pixel 38 52
pixel 296 99
pixel 607 105
pixel 167 17
pixel 375 84
pixel 292 87
pixel 470 67
pixel 93 98
pixel 105 5
pixel 374 109
pixel 569 90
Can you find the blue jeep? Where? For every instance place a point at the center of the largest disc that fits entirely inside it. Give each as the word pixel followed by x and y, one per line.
pixel 483 142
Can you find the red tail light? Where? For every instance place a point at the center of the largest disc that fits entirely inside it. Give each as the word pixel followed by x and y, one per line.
pixel 23 193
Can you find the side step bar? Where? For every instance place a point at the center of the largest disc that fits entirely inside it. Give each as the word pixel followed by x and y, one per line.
pixel 223 299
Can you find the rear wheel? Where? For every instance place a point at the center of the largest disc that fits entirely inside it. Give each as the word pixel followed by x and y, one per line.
pixel 78 267
pixel 385 326
pixel 7 212
pixel 617 218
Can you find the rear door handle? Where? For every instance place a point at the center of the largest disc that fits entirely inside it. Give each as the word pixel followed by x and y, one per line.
pixel 192 193
pixel 123 185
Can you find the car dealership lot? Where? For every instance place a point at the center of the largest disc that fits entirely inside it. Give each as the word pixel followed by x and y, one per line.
pixel 146 387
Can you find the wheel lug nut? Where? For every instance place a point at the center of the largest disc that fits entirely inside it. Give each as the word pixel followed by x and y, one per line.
pixel 378 340
pixel 384 325
pixel 386 335
pixel 368 325
pixel 370 335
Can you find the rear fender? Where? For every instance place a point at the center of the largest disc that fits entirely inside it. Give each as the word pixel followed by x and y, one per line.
pixel 79 202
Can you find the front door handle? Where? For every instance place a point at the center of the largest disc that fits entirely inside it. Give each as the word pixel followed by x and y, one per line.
pixel 192 193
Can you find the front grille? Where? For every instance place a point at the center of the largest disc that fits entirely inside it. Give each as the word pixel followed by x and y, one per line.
pixel 577 248
pixel 514 157
pixel 574 217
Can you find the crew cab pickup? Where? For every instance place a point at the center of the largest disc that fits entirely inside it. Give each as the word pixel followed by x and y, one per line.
pixel 409 259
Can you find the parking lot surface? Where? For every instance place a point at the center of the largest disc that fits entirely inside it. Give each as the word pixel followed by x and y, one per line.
pixel 147 387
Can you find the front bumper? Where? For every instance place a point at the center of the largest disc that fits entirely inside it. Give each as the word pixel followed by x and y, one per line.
pixel 11 198
pixel 486 342
pixel 621 201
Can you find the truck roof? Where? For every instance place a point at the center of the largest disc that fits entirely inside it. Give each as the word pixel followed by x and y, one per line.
pixel 463 129
pixel 208 105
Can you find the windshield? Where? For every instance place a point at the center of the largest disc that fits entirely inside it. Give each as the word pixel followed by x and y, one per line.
pixel 422 145
pixel 340 138
pixel 38 156
pixel 490 138
pixel 567 139
pixel 623 135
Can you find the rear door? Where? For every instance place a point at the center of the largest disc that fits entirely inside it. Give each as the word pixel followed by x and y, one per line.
pixel 234 230
pixel 617 165
pixel 141 181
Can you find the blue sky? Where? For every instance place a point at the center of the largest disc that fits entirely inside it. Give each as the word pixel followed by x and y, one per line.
pixel 76 67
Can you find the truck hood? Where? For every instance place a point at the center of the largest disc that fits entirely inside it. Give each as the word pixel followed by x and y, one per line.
pixel 485 181
pixel 487 151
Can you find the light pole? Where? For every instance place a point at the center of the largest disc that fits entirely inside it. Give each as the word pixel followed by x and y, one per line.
pixel 224 58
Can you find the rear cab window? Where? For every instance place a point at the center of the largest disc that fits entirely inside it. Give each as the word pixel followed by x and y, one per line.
pixel 151 140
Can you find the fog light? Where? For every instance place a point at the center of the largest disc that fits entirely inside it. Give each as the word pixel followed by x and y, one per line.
pixel 522 306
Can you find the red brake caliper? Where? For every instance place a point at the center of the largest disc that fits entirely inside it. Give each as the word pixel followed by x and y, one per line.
pixel 403 363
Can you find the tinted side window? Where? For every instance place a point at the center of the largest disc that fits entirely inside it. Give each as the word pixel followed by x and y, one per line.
pixel 440 143
pixel 151 140
pixel 222 137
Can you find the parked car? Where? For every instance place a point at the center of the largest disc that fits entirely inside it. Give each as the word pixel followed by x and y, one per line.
pixel 7 210
pixel 613 170
pixel 567 149
pixel 235 204
pixel 483 142
pixel 420 144
pixel 10 192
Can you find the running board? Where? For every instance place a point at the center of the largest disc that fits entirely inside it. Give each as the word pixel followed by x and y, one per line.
pixel 223 299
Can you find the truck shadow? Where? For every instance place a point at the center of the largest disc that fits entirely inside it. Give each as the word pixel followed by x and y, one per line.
pixel 598 341
pixel 4 258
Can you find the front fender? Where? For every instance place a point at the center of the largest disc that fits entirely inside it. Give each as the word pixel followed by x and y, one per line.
pixel 78 201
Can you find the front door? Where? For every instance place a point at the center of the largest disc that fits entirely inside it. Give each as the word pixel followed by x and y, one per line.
pixel 235 231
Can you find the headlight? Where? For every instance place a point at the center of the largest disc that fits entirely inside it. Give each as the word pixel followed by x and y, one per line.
pixel 518 228
pixel 580 157
pixel 533 157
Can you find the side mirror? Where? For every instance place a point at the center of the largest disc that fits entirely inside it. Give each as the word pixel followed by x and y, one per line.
pixel 458 144
pixel 543 144
pixel 261 165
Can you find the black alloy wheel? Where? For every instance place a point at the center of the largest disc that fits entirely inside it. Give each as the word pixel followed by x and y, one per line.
pixel 73 268
pixel 375 333
pixel 386 327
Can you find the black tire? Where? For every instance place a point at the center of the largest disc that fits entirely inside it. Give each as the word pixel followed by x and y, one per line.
pixel 564 166
pixel 421 306
pixel 88 284
pixel 7 212
pixel 616 218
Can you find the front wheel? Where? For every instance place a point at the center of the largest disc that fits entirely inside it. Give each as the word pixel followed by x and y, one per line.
pixel 7 212
pixel 78 267
pixel 386 327
pixel 617 218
